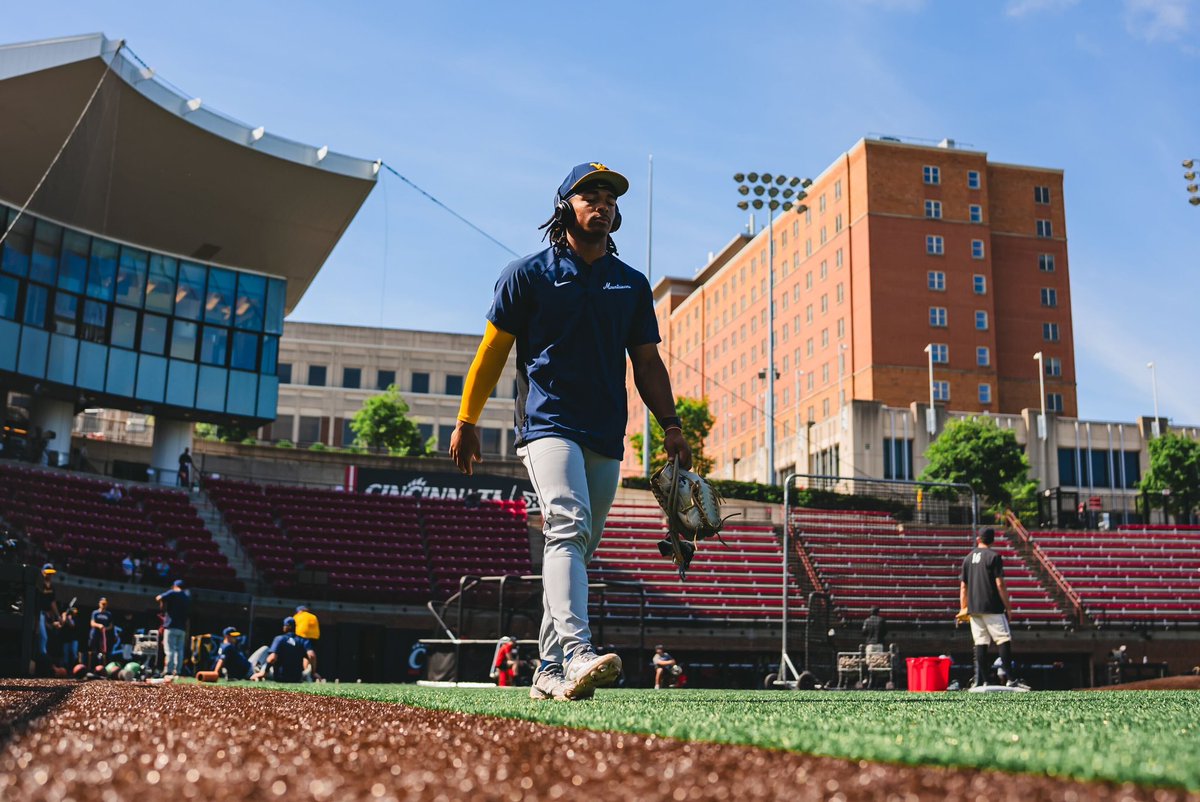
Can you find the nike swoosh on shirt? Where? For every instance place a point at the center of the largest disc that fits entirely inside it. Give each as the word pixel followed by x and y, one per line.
pixel 562 283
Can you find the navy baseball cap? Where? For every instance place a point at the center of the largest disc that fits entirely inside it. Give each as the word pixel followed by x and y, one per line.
pixel 592 172
pixel 48 568
pixel 301 608
pixel 289 622
pixel 231 632
pixel 178 583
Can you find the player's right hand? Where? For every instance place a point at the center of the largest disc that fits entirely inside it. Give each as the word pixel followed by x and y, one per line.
pixel 464 447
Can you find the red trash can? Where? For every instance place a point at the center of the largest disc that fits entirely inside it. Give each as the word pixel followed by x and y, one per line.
pixel 928 673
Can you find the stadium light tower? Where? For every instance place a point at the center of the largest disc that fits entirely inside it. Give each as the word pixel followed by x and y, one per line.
pixel 931 413
pixel 1155 429
pixel 782 192
pixel 1190 176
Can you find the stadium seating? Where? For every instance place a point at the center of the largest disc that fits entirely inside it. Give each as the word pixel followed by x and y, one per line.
pixel 331 544
pixel 738 581
pixel 867 559
pixel 1139 574
pixel 66 516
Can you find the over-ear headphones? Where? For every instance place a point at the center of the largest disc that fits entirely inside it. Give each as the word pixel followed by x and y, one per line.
pixel 563 210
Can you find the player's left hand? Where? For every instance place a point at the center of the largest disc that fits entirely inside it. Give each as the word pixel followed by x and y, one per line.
pixel 676 446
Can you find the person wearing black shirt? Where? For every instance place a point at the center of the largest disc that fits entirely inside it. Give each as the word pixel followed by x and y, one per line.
pixel 984 596
pixel 176 604
pixel 230 658
pixel 46 607
pixel 100 633
pixel 874 628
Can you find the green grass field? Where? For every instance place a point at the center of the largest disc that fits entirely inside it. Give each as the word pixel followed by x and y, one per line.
pixel 1147 737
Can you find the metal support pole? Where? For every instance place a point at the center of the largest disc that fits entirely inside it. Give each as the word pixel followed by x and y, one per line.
pixel 770 346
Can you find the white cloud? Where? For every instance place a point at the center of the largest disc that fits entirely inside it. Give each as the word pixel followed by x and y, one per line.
pixel 1021 8
pixel 1158 20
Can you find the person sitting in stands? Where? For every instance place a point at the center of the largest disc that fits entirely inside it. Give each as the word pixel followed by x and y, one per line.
pixel 113 494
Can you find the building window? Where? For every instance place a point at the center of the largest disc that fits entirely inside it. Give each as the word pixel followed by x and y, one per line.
pixel 934 245
pixel 973 179
pixel 940 353
pixel 979 284
pixel 983 356
pixel 1053 366
pixel 841 327
pixel 285 368
pixel 1046 262
pixel 824 302
pixel 316 373
pixel 823 235
pixel 837 258
pixel 490 440
pixel 941 391
pixel 1049 296
pixel 1044 229
pixel 808 281
pixel 352 378
pixel 310 430
pixel 933 209
pixel 977 249
pixel 420 382
pixel 837 223
pixel 932 175
pixel 937 316
pixel 985 393
pixel 840 290
pixel 837 189
pixel 981 320
pixel 937 280
pixel 822 203
pixel 1050 332
pixel 897 458
pixel 975 213
pixel 1054 402
pixel 1041 195
pixel 454 384
pixel 384 379
pixel 824 268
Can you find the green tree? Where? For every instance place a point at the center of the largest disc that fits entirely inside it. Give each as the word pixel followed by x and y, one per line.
pixel 226 434
pixel 1174 474
pixel 976 452
pixel 696 421
pixel 383 423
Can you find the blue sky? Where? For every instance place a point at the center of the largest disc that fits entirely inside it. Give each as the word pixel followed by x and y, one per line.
pixel 487 105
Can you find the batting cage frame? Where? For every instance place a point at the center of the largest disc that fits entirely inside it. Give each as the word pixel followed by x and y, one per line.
pixel 841 484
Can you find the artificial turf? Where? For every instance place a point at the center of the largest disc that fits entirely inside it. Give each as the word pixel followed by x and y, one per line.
pixel 1146 737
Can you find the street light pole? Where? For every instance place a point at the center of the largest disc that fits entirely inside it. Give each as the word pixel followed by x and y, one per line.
pixel 1042 424
pixel 780 191
pixel 1155 429
pixel 930 414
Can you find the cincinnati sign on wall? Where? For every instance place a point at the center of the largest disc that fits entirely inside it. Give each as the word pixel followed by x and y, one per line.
pixel 435 485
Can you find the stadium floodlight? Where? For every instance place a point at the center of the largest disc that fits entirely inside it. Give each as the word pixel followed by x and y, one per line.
pixel 781 193
pixel 1189 164
pixel 1190 177
pixel 743 205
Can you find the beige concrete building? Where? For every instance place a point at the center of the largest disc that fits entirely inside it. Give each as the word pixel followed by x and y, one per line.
pixel 326 372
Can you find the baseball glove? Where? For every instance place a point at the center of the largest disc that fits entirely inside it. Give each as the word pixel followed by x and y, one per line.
pixel 698 516
pixel 962 617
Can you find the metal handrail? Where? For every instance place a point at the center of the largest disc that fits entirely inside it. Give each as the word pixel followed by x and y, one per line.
pixel 1060 581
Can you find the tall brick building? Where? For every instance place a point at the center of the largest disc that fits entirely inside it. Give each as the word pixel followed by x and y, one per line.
pixel 901 246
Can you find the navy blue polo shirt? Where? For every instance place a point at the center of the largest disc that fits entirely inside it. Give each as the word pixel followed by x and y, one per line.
pixel 289 650
pixel 176 604
pixel 235 663
pixel 573 323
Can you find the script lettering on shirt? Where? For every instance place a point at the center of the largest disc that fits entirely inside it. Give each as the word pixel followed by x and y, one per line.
pixel 608 285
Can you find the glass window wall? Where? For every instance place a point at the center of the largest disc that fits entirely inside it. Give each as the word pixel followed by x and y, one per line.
pixel 183 340
pixel 190 291
pixel 251 299
pixel 218 304
pixel 213 345
pixel 273 318
pixel 73 266
pixel 244 355
pixel 66 313
pixel 131 277
pixel 43 265
pixel 154 334
pixel 124 327
pixel 17 245
pixel 37 298
pixel 160 284
pixel 95 322
pixel 102 270
pixel 8 297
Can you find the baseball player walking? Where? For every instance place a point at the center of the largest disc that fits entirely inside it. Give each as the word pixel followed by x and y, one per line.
pixel 984 597
pixel 573 310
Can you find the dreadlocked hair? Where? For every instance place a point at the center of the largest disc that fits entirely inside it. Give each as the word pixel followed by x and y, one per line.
pixel 556 230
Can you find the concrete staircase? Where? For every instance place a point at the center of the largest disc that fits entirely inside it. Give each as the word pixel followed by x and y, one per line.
pixel 226 541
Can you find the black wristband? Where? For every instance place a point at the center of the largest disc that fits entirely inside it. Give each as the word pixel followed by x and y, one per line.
pixel 671 421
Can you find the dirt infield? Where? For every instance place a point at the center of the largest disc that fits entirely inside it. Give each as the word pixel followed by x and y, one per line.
pixel 118 741
pixel 1186 682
